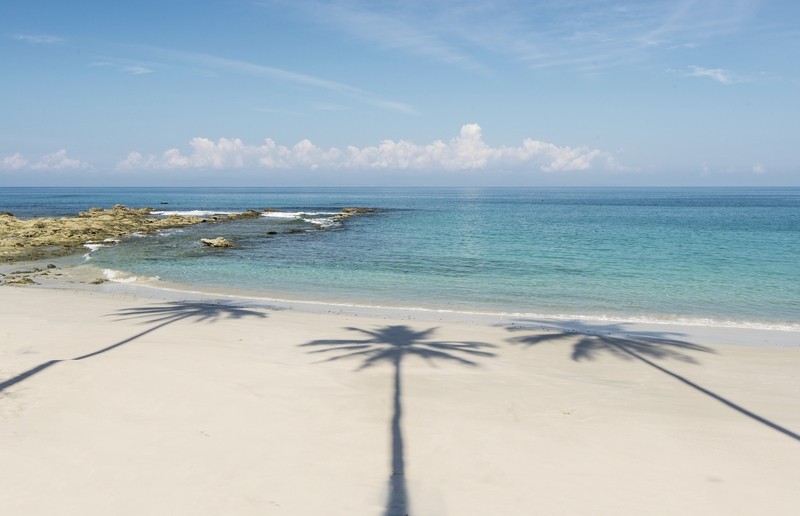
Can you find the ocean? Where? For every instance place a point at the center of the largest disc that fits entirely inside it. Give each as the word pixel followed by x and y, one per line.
pixel 711 256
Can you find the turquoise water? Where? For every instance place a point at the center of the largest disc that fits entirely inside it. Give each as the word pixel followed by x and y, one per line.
pixel 636 253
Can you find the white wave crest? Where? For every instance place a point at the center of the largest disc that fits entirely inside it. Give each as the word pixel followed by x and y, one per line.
pixel 321 219
pixel 323 222
pixel 196 213
pixel 94 246
pixel 168 232
pixel 126 277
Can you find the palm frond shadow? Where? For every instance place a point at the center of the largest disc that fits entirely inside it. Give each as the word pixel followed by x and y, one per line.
pixel 621 342
pixel 159 315
pixel 391 344
pixel 615 339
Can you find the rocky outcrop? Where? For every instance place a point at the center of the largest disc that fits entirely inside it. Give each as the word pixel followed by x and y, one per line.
pixel 216 242
pixel 33 239
pixel 43 237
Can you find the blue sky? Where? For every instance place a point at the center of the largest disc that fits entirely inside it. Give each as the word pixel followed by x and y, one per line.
pixel 503 92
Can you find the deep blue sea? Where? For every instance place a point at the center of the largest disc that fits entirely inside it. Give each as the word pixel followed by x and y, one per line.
pixel 704 255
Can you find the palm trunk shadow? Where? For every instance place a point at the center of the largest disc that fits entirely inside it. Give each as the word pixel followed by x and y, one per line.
pixel 27 374
pixel 398 493
pixel 709 393
pixel 392 344
pixel 597 338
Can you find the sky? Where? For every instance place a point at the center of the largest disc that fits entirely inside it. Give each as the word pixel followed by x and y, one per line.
pixel 411 93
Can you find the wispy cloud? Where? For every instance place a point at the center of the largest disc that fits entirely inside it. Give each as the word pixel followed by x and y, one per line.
pixel 467 151
pixel 39 39
pixel 328 106
pixel 276 111
pixel 604 35
pixel 137 70
pixel 129 67
pixel 58 160
pixel 258 70
pixel 582 35
pixel 717 74
pixel 280 74
pixel 396 29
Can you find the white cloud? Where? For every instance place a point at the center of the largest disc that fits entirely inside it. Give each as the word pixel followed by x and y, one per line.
pixel 759 169
pixel 55 161
pixel 14 162
pixel 58 160
pixel 467 151
pixel 718 74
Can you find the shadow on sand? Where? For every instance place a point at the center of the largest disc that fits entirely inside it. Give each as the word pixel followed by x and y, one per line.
pixel 622 343
pixel 391 344
pixel 159 315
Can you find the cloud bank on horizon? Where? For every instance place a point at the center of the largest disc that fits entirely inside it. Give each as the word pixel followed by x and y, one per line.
pixel 467 151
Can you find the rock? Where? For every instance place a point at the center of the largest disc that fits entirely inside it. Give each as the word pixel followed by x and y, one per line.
pixel 272 232
pixel 249 214
pixel 358 211
pixel 349 212
pixel 98 281
pixel 20 281
pixel 215 242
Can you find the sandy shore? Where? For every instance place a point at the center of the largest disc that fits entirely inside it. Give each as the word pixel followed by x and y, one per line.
pixel 116 403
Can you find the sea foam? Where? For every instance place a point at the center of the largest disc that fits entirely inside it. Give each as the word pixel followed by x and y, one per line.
pixel 321 219
pixel 126 277
pixel 196 213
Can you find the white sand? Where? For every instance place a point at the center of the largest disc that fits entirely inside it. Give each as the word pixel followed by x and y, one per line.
pixel 212 410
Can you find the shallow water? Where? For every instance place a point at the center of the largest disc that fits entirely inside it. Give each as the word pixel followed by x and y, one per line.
pixel 706 255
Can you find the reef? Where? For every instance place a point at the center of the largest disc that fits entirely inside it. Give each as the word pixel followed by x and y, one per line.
pixel 33 239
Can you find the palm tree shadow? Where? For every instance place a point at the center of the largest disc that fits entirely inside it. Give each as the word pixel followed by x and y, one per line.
pixel 624 344
pixel 391 344
pixel 159 315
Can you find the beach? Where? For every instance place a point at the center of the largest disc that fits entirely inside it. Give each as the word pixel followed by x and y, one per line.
pixel 358 258
pixel 126 400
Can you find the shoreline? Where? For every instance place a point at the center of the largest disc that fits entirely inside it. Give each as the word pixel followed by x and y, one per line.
pixel 718 331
